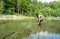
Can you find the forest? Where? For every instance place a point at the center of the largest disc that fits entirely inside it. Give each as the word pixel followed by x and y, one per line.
pixel 29 7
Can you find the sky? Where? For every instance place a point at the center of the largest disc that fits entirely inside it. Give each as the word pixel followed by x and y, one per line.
pixel 46 0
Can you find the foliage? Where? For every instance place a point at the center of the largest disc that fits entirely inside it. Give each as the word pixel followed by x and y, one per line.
pixel 29 8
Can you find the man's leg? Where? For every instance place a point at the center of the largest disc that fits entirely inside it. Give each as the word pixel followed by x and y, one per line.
pixel 40 22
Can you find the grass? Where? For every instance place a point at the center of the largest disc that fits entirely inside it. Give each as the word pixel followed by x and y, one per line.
pixel 24 27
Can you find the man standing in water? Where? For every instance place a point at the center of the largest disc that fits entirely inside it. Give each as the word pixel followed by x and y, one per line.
pixel 40 18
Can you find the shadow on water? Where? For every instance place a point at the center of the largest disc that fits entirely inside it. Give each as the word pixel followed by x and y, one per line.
pixel 43 35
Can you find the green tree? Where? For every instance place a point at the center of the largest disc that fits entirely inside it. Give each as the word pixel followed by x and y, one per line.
pixel 1 6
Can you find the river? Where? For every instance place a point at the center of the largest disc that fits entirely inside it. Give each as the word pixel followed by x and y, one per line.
pixel 43 35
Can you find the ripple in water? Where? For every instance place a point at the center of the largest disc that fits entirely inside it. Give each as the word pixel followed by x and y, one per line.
pixel 43 35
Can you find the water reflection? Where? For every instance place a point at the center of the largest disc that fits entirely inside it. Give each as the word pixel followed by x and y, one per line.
pixel 43 35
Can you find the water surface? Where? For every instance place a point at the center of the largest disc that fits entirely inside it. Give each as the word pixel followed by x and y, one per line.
pixel 43 35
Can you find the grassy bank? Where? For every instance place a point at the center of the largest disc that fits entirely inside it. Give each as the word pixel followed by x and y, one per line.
pixel 15 29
